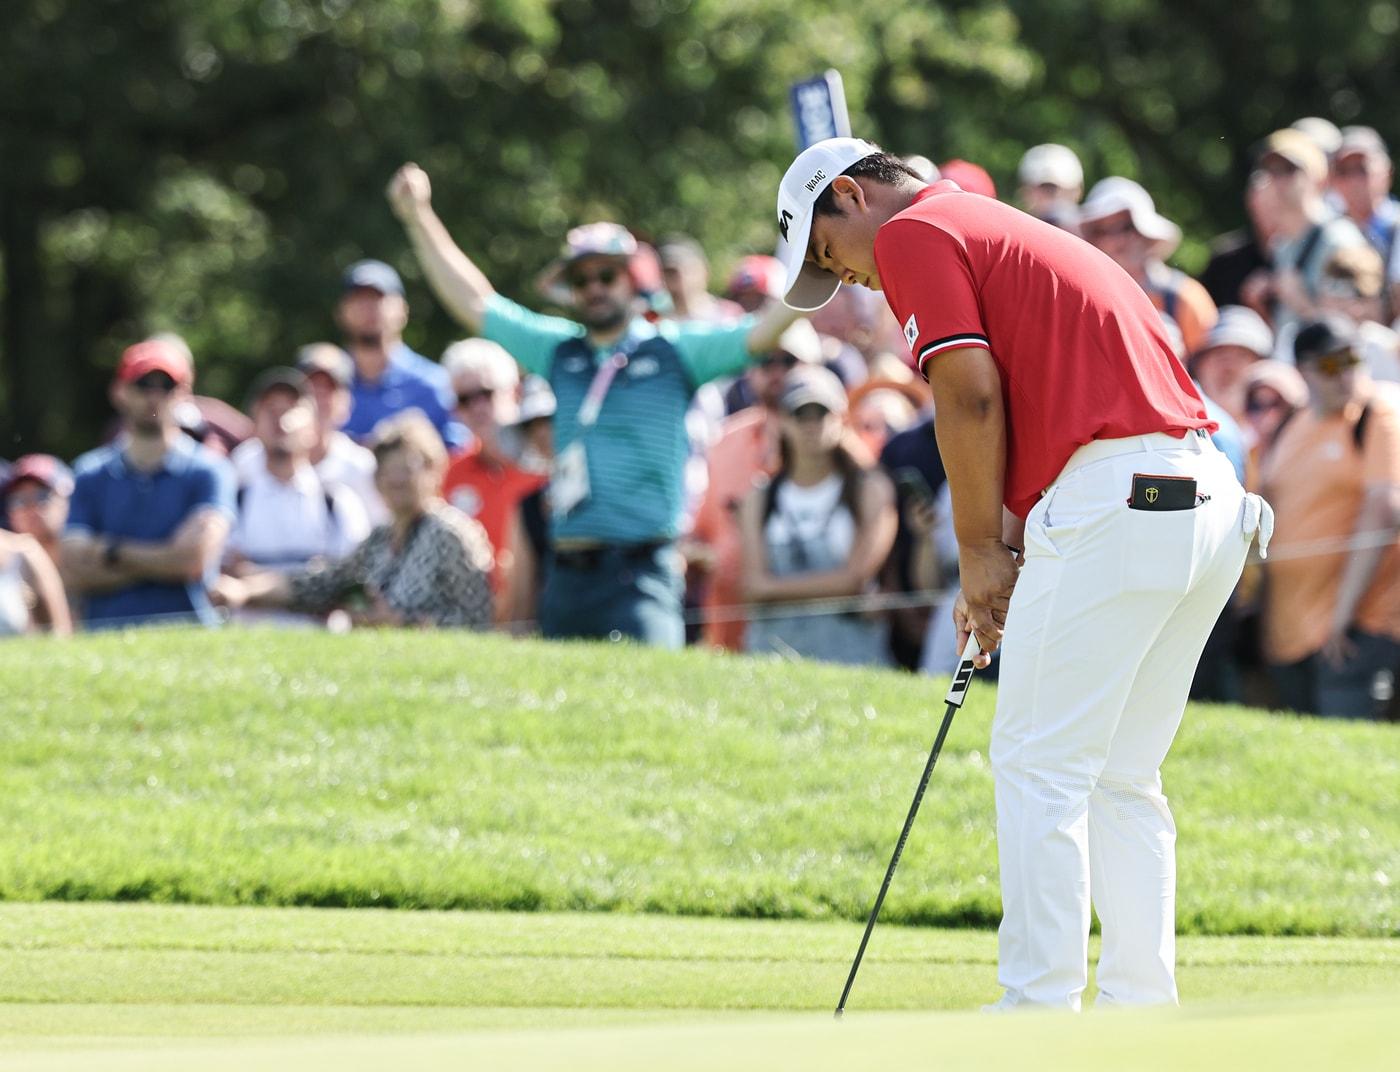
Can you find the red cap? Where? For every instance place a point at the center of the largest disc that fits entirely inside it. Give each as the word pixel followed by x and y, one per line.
pixel 757 272
pixel 43 469
pixel 154 355
pixel 971 177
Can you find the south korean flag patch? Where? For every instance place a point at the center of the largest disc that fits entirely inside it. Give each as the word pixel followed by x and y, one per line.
pixel 911 331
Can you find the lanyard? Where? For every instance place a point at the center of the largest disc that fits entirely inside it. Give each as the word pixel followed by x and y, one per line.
pixel 602 380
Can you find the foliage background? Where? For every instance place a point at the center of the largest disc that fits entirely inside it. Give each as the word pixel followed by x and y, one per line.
pixel 209 166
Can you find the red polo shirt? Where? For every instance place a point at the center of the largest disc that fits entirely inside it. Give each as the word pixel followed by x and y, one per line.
pixel 1081 351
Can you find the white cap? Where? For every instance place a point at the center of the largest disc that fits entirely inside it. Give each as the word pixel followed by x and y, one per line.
pixel 805 286
pixel 1117 194
pixel 1053 164
pixel 1242 327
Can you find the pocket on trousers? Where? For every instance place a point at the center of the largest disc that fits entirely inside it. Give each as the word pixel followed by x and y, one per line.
pixel 1158 549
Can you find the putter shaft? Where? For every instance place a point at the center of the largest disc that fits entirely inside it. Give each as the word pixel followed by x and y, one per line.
pixel 957 691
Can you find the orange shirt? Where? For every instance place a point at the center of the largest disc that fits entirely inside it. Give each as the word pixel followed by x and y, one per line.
pixel 1193 310
pixel 747 449
pixel 1315 478
pixel 491 494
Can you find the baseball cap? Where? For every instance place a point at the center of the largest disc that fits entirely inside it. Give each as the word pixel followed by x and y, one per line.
pixel 1239 326
pixel 756 272
pixel 1050 163
pixel 1117 194
pixel 374 275
pixel 1361 140
pixel 1321 132
pixel 327 358
pixel 43 469
pixel 600 239
pixel 154 355
pixel 805 286
pixel 813 384
pixel 1326 335
pixel 536 400
pixel 969 176
pixel 274 379
pixel 1298 149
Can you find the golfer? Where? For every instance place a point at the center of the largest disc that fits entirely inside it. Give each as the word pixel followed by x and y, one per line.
pixel 1069 429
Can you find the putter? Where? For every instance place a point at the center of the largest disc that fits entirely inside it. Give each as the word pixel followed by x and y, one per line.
pixel 957 691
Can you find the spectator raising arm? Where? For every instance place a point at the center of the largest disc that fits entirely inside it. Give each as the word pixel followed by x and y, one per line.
pixel 458 283
pixel 769 327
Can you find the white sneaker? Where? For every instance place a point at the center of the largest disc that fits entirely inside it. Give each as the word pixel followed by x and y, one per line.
pixel 1008 1002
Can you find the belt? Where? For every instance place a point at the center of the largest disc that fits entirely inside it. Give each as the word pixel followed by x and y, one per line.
pixel 1099 449
pixel 590 558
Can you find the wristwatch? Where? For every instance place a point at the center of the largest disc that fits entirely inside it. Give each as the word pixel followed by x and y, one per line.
pixel 112 553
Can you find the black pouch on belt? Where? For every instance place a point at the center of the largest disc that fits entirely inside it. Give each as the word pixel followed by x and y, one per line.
pixel 1163 493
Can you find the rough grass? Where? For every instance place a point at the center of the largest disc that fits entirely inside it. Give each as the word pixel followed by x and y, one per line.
pixel 467 772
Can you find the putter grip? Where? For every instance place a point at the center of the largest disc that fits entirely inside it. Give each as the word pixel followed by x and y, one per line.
pixel 957 688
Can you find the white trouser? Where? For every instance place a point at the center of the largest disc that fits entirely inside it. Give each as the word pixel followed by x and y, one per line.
pixel 1107 623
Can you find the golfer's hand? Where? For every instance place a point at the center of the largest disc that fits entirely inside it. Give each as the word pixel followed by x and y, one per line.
pixel 409 192
pixel 987 572
pixel 983 658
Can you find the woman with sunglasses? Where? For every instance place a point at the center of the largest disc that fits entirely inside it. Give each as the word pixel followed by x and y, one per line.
pixel 821 529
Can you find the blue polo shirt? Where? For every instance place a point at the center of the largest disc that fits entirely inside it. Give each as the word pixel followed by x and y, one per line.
pixel 409 381
pixel 637 450
pixel 113 499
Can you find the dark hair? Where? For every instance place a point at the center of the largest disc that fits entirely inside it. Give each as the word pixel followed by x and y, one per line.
pixel 881 167
pixel 847 464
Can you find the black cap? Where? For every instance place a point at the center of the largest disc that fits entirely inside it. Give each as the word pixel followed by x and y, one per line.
pixel 1329 334
pixel 278 378
pixel 373 274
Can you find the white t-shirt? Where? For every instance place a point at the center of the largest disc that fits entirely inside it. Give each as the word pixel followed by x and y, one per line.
pixel 286 526
pixel 810 529
pixel 346 465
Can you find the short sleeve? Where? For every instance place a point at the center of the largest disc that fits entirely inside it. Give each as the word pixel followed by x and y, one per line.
pixel 710 351
pixel 929 283
pixel 531 338
pixel 1380 442
pixel 213 485
pixel 84 518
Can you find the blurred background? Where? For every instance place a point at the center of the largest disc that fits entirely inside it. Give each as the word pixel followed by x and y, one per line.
pixel 210 166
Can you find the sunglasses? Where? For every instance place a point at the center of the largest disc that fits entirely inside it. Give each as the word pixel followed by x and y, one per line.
pixel 154 381
pixel 1336 364
pixel 38 497
pixel 1277 168
pixel 1264 405
pixel 606 276
pixel 786 361
pixel 466 398
pixel 1092 231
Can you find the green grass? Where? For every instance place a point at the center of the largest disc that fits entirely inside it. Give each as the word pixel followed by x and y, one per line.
pixel 453 771
pixel 145 986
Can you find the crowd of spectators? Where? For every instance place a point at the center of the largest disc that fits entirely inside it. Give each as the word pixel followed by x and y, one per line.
pixel 670 464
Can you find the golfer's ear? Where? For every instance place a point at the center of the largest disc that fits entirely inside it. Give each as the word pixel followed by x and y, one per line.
pixel 848 190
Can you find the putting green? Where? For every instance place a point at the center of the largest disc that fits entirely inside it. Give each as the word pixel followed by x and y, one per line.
pixel 155 987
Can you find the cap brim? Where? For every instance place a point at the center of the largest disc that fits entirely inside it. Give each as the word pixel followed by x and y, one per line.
pixel 805 286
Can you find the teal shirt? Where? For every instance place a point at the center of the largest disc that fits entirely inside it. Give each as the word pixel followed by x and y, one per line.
pixel 637 450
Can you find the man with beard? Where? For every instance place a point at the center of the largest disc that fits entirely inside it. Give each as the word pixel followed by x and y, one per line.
pixel 150 511
pixel 622 386
pixel 389 377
